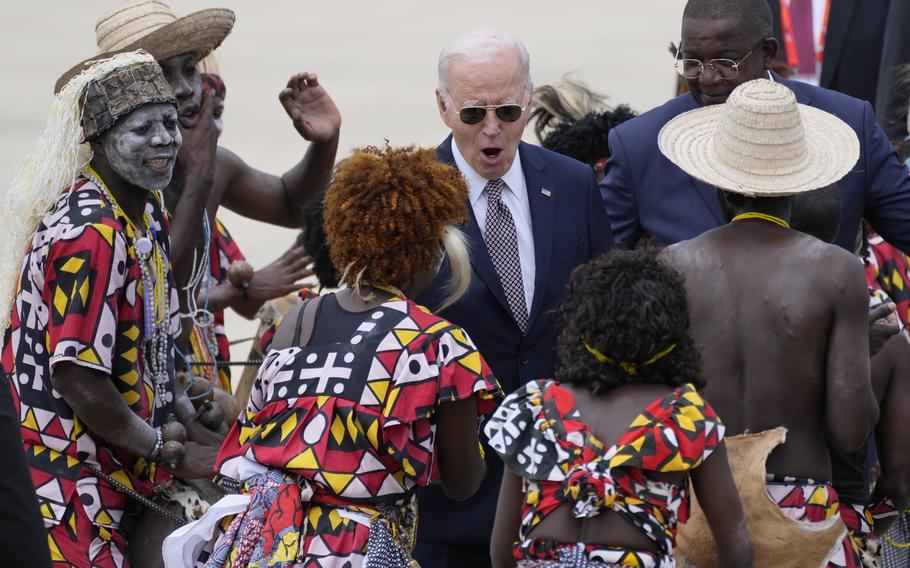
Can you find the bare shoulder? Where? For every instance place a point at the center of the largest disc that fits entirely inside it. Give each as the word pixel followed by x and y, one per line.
pixel 689 253
pixel 841 271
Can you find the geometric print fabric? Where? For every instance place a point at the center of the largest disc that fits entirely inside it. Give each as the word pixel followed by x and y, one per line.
pixel 352 420
pixel 79 301
pixel 541 436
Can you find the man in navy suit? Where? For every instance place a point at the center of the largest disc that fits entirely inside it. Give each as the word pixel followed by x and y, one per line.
pixel 726 43
pixel 535 216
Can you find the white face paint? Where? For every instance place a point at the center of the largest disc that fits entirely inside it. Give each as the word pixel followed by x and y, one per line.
pixel 142 146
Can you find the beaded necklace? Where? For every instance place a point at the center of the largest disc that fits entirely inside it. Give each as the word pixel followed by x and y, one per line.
pixel 755 216
pixel 156 293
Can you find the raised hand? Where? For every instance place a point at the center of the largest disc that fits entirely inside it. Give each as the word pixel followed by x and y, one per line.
pixel 197 153
pixel 312 110
pixel 282 276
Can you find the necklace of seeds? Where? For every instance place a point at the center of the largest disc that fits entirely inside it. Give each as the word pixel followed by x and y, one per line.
pixel 155 292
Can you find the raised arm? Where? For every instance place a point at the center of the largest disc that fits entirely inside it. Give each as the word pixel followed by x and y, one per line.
pixel 851 409
pixel 618 195
pixel 280 200
pixel 196 167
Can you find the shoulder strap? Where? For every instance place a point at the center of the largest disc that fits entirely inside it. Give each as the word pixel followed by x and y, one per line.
pixel 310 304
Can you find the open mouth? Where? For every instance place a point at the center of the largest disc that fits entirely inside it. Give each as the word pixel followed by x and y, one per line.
pixel 189 115
pixel 161 164
pixel 492 153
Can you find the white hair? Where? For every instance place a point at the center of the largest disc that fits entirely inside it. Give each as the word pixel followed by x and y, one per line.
pixel 481 46
pixel 51 167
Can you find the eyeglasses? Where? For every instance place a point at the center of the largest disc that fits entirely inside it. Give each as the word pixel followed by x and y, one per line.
pixel 726 69
pixel 506 113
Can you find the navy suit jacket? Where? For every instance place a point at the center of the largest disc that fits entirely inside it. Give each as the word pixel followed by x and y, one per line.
pixel 569 227
pixel 646 194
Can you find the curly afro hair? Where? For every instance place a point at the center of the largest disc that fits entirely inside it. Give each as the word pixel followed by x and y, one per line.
pixel 587 139
pixel 385 213
pixel 628 306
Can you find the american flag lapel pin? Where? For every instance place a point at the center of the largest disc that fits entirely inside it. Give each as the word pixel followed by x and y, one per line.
pixel 545 191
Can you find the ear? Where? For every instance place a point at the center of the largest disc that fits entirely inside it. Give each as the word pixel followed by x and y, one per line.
pixel 443 108
pixel 770 51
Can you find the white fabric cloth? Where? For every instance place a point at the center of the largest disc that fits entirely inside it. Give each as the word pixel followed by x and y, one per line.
pixel 515 197
pixel 182 547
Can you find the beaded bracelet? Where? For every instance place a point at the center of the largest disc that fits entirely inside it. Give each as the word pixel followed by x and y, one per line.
pixel 159 443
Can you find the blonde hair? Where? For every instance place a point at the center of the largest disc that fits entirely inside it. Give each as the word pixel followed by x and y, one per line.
pixel 456 248
pixel 48 169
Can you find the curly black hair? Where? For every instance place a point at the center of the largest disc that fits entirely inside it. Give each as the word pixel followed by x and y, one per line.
pixel 312 238
pixel 629 306
pixel 587 139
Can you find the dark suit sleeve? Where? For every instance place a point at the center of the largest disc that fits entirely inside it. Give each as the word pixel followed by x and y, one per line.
pixel 618 194
pixel 887 185
pixel 599 233
pixel 892 93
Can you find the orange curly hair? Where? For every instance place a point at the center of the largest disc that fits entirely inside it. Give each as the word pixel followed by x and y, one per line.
pixel 386 210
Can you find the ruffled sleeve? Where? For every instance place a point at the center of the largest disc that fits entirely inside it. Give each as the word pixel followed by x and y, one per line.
pixel 443 366
pixel 676 433
pixel 524 438
pixel 439 366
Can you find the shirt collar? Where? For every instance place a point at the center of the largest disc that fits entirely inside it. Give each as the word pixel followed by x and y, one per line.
pixel 512 178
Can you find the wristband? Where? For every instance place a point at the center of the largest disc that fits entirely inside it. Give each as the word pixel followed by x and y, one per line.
pixel 159 443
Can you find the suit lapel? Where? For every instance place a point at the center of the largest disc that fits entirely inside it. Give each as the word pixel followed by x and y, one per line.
pixel 842 14
pixel 542 196
pixel 480 257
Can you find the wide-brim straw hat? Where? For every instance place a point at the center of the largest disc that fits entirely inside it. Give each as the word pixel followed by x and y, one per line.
pixel 152 25
pixel 761 143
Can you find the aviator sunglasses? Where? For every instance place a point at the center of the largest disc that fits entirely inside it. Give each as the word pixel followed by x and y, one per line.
pixel 506 113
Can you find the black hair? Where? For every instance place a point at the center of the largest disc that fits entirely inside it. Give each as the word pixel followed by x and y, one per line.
pixel 629 306
pixel 754 15
pixel 817 213
pixel 312 238
pixel 587 139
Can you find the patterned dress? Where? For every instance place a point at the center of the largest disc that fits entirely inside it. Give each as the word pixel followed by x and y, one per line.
pixel 337 439
pixel 79 301
pixel 540 435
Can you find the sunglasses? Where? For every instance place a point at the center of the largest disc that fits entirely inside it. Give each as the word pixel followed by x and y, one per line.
pixel 506 113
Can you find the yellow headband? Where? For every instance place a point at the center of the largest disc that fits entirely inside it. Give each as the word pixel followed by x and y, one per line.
pixel 630 368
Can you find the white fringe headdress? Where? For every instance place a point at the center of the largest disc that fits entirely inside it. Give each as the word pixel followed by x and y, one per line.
pixel 52 166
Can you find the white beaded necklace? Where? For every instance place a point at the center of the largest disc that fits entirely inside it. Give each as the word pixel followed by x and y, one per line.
pixel 156 293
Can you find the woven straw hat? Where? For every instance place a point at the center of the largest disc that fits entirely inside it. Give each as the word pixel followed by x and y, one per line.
pixel 152 25
pixel 761 143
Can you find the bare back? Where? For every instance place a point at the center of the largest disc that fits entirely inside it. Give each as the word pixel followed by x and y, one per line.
pixel 780 320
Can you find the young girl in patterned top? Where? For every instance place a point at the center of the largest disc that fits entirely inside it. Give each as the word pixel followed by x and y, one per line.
pixel 364 396
pixel 598 461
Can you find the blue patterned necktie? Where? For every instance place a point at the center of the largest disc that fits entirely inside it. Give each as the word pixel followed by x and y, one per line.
pixel 502 244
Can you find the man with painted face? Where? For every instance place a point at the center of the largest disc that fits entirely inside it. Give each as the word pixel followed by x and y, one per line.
pixel 90 312
pixel 726 43
pixel 207 176
pixel 535 216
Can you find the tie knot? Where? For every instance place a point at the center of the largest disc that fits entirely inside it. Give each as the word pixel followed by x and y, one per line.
pixel 494 189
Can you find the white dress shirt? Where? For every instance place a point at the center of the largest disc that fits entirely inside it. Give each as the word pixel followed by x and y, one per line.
pixel 516 199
